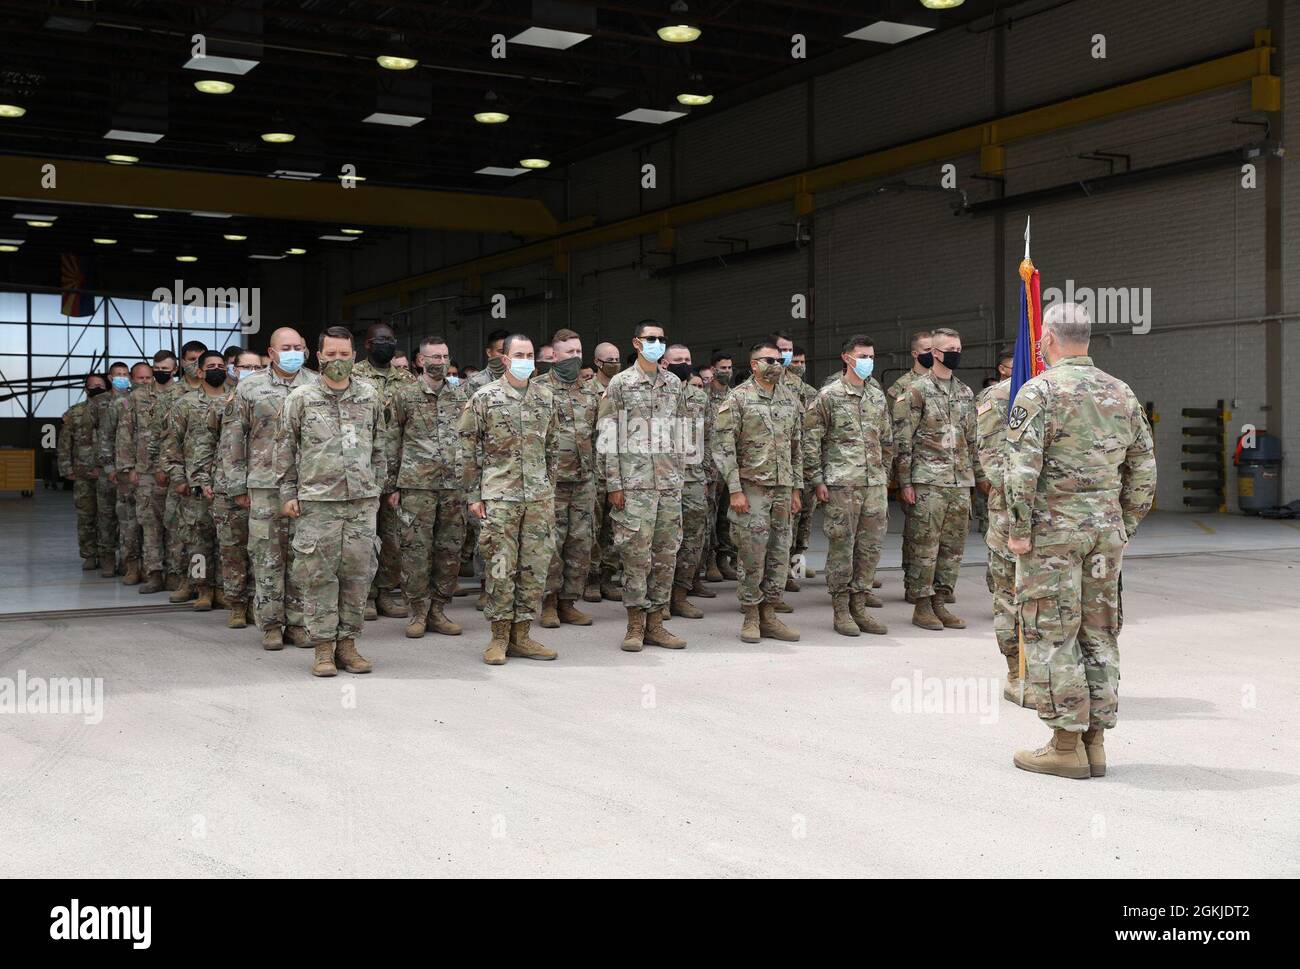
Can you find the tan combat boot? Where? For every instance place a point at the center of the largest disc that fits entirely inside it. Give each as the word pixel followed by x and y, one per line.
pixel 782 607
pixel 548 619
pixel 943 615
pixel 843 621
pixel 911 599
pixel 790 584
pixel 238 616
pixel 681 606
pixel 923 615
pixel 808 571
pixel 273 639
pixel 132 576
pixel 591 591
pixel 1063 756
pixel 154 584
pixel 390 604
pixel 634 638
pixel 371 613
pixel 203 598
pixel 183 592
pixel 323 665
pixel 418 622
pixel 711 573
pixel 726 569
pixel 700 590
pixel 437 621
pixel 495 654
pixel 349 660
pixel 521 644
pixel 107 567
pixel 218 598
pixel 875 583
pixel 296 636
pixel 771 627
pixel 90 564
pixel 1094 749
pixel 858 610
pixel 173 581
pixel 608 589
pixel 571 614
pixel 946 596
pixel 749 625
pixel 871 600
pixel 657 635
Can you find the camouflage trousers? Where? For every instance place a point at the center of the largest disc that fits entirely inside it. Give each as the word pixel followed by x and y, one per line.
pixel 720 538
pixel 85 498
pixel 575 504
pixel 695 530
pixel 231 522
pixel 604 553
pixel 431 545
pixel 335 555
pixel 803 526
pixel 936 528
pixel 516 543
pixel 762 537
pixel 149 503
pixel 979 507
pixel 854 520
pixel 128 522
pixel 106 511
pixel 1002 578
pixel 390 528
pixel 647 533
pixel 173 520
pixel 1069 611
pixel 270 554
pixel 908 555
pixel 200 536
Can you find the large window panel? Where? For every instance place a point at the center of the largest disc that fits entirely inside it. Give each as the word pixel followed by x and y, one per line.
pixel 13 307
pixel 13 338
pixel 13 374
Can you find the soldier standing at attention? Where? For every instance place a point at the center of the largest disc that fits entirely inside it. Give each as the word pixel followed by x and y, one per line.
pixel 332 465
pixel 982 495
pixel 758 448
pixel 938 464
pixel 508 445
pixel 494 369
pixel 248 433
pixel 425 413
pixel 604 557
pixel 796 372
pixel 720 557
pixel 575 482
pixel 1080 476
pixel 175 528
pixel 77 464
pixel 640 452
pixel 136 458
pixel 698 441
pixel 922 359
pixel 377 369
pixel 848 441
pixel 98 408
pixel 128 525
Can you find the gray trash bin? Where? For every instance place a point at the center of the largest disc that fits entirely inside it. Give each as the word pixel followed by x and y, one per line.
pixel 1259 475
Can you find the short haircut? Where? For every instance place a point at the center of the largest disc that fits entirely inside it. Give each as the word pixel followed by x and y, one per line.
pixel 763 345
pixel 1006 353
pixel 334 333
pixel 211 354
pixel 641 327
pixel 96 376
pixel 162 355
pixel 248 353
pixel 561 336
pixel 116 363
pixel 432 340
pixel 232 351
pixel 778 335
pixel 1069 321
pixel 718 356
pixel 920 335
pixel 193 345
pixel 494 336
pixel 799 351
pixel 679 346
pixel 141 363
pixel 512 339
pixel 944 331
pixel 855 341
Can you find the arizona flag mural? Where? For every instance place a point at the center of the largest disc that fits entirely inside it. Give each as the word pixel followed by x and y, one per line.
pixel 1028 363
pixel 73 281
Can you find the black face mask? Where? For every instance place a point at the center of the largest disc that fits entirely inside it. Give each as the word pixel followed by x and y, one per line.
pixel 94 391
pixel 162 376
pixel 925 359
pixel 215 378
pixel 682 371
pixel 567 370
pixel 382 352
pixel 951 359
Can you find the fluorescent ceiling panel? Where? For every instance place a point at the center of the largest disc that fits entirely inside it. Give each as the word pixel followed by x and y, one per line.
pixel 651 116
pixel 220 65
pixel 503 172
pixel 340 238
pixel 398 120
pixel 549 38
pixel 122 134
pixel 888 32
pixel 29 217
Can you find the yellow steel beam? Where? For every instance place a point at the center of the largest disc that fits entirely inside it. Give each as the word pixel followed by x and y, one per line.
pixel 985 139
pixel 137 186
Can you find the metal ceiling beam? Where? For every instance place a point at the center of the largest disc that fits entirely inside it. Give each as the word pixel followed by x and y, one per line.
pixel 138 186
pixel 985 139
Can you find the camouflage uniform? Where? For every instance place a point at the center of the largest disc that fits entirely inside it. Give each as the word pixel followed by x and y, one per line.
pixel 248 432
pixel 187 457
pixel 898 391
pixel 174 521
pixel 229 519
pixel 603 553
pixel 128 525
pixel 699 473
pixel 991 418
pixel 936 445
pixel 1080 475
pixel 640 455
pixel 105 490
pixel 473 385
pixel 429 478
pixel 135 453
pixel 331 456
pixel 77 460
pixel 719 537
pixel 848 442
pixel 391 525
pixel 758 448
pixel 575 485
pixel 803 524
pixel 508 445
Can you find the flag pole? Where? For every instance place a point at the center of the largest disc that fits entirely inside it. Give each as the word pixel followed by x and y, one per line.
pixel 1026 273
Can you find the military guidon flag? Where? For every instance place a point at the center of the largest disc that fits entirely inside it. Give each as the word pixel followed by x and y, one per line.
pixel 1028 363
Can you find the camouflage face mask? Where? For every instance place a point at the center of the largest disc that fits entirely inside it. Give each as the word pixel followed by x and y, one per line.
pixel 337 370
pixel 798 369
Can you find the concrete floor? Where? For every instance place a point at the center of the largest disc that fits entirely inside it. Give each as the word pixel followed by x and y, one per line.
pixel 214 757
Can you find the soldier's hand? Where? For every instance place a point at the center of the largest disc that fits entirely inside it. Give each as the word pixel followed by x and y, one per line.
pixel 207 492
pixel 183 489
pixel 796 502
pixel 478 509
pixel 160 477
pixel 984 487
pixel 393 499
pixel 616 499
pixel 907 494
pixel 1020 546
pixel 823 493
pixel 135 477
pixel 112 476
pixel 291 508
pixel 243 501
pixel 739 503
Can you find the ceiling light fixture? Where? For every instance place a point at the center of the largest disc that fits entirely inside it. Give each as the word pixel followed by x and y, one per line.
pixel 295 251
pixel 234 237
pixel 220 65
pixel 187 258
pixel 39 223
pixel 104 242
pixel 678 30
pixel 12 111
pixel 213 86
pixel 128 134
pixel 499 170
pixel 352 232
pixel 888 32
pixel 651 115
pixel 396 120
pixel 121 159
pixel 8 248
pixel 942 4
pixel 34 215
pixel 392 62
pixel 278 137
pixel 535 162
pixel 144 215
pixel 338 238
pixel 549 37
pixel 694 100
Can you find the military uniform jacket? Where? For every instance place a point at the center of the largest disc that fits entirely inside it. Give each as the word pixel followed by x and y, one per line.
pixel 191 441
pixel 387 382
pixel 934 431
pixel 249 428
pixel 428 442
pixel 77 441
pixel 848 437
pixel 330 445
pixel 991 422
pixel 699 454
pixel 168 399
pixel 758 437
pixel 104 418
pixel 1079 455
pixel 481 379
pixel 508 442
pixel 134 427
pixel 640 433
pixel 575 422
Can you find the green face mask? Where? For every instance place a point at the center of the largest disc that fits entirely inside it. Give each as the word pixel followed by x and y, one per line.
pixel 798 369
pixel 337 370
pixel 497 365
pixel 567 370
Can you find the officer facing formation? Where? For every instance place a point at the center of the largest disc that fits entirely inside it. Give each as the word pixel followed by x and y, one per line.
pixel 1080 476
